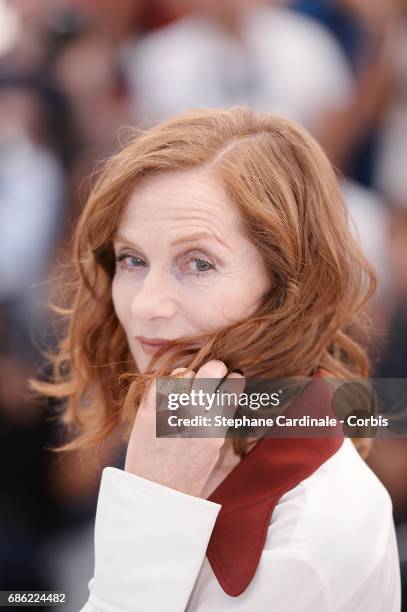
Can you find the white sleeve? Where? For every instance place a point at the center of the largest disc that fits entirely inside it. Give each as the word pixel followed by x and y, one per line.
pixel 150 542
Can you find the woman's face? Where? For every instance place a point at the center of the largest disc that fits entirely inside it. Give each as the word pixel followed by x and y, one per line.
pixel 184 265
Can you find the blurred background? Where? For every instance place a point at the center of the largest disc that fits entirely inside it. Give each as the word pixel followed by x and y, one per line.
pixel 73 75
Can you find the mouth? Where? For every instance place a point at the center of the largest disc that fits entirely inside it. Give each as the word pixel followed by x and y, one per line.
pixel 151 345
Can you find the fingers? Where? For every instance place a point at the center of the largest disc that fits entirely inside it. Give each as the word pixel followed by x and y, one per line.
pixel 166 386
pixel 192 394
pixel 179 371
pixel 211 380
pixel 208 377
pixel 234 385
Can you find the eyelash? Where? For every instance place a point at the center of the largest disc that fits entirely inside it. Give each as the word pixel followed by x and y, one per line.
pixel 198 274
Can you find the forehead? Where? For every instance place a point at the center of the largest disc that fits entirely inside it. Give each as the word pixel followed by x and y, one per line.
pixel 180 199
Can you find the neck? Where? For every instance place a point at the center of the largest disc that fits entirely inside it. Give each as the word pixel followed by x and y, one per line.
pixel 228 459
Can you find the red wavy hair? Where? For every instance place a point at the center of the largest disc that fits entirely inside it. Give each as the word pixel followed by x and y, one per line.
pixel 292 208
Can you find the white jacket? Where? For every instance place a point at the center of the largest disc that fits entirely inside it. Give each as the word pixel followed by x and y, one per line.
pixel 301 524
pixel 329 546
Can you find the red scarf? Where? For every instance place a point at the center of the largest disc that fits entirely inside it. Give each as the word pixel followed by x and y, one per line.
pixel 253 488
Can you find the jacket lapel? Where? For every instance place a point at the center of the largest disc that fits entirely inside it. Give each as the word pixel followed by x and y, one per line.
pixel 253 488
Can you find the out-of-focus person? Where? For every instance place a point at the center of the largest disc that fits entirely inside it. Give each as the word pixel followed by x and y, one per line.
pixel 367 31
pixel 31 207
pixel 32 187
pixel 240 51
pixel 392 158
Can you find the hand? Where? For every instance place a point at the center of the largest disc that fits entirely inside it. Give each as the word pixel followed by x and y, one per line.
pixel 184 464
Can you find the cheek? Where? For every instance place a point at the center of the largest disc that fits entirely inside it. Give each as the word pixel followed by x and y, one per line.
pixel 121 301
pixel 226 302
pixel 239 299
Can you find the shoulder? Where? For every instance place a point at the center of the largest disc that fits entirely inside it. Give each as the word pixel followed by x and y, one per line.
pixel 285 24
pixel 340 519
pixel 343 498
pixel 306 49
pixel 308 61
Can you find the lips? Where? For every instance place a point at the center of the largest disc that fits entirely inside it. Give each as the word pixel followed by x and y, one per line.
pixel 153 341
pixel 151 345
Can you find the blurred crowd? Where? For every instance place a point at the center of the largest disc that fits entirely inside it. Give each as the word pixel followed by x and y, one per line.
pixel 75 76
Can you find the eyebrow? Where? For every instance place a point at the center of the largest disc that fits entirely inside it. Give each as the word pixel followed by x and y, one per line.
pixel 191 238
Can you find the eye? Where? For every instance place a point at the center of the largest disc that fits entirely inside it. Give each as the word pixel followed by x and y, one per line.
pixel 129 262
pixel 200 266
pixel 194 265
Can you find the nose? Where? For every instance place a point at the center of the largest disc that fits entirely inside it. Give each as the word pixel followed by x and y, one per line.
pixel 155 298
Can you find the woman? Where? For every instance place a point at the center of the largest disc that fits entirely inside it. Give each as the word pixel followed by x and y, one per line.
pixel 224 232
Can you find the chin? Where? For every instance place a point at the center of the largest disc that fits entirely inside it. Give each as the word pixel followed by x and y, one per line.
pixel 143 363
